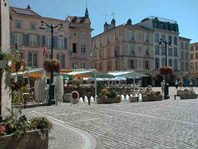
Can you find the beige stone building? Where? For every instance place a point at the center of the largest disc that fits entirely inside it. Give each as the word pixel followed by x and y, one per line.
pixel 194 60
pixel 72 49
pixel 5 100
pixel 124 47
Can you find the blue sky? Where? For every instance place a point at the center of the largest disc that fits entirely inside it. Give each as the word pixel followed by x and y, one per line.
pixel 185 12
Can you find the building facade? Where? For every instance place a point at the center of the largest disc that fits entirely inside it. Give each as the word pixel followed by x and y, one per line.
pixel 194 60
pixel 124 47
pixel 5 100
pixel 72 47
pixel 137 47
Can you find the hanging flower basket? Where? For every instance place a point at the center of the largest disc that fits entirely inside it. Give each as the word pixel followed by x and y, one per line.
pixel 166 71
pixel 52 65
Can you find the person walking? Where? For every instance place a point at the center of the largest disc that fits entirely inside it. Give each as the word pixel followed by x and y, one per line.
pixel 163 86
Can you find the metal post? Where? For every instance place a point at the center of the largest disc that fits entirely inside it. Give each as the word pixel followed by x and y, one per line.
pixel 166 78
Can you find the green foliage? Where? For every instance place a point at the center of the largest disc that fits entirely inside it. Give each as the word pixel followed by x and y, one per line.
pixel 111 94
pixel 41 123
pixel 188 92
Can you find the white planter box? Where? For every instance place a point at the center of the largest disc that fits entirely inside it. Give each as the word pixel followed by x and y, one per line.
pixel 3 64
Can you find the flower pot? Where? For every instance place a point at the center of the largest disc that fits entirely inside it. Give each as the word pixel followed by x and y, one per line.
pixel 151 98
pixel 3 64
pixel 32 140
pixel 188 97
pixel 133 99
pixel 108 100
pixel 66 97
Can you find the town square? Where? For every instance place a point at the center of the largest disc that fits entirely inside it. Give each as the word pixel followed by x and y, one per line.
pixel 87 74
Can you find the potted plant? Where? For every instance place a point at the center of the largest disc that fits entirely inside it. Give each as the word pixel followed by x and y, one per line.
pixel 24 134
pixel 108 96
pixel 52 65
pixel 187 94
pixel 149 95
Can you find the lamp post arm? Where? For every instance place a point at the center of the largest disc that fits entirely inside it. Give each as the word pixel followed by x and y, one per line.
pixel 61 24
pixel 46 24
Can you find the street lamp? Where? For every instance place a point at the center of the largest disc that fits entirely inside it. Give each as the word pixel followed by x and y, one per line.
pixel 61 33
pixel 166 44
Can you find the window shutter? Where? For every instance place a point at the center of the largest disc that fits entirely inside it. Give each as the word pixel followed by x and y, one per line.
pixel 27 39
pixel 63 65
pixel 12 38
pixel 55 42
pixel 65 43
pixel 136 64
pixel 129 64
pixel 143 64
pixel 38 40
pixel 43 40
pixel 24 40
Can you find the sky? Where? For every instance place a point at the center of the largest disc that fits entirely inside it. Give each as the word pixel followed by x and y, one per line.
pixel 185 12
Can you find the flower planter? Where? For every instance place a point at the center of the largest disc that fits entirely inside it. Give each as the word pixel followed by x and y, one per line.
pixel 66 97
pixel 108 100
pixel 31 140
pixel 3 64
pixel 133 99
pixel 188 96
pixel 144 99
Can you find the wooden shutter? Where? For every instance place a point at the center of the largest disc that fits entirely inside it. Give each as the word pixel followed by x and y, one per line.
pixel 38 40
pixel 65 43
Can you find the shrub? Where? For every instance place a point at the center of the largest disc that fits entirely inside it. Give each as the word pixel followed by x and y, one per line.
pixel 166 70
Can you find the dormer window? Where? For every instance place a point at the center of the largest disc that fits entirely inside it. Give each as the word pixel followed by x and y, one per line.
pixel 33 26
pixel 18 24
pixel 83 35
pixel 131 35
pixel 75 34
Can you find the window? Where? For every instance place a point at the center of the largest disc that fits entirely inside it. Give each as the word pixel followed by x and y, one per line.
pixel 175 64
pixel 83 65
pixel 18 24
pixel 182 54
pixel 182 45
pixel 131 35
pixel 74 65
pixel 48 42
pixel 60 43
pixel 33 40
pixel 157 49
pixel 33 26
pixel 187 66
pixel 74 47
pixel 163 50
pixel 100 66
pixel 32 59
pixel 163 37
pixel 47 56
pixel 196 55
pixel 196 65
pixel 109 64
pixel 196 47
pixel 48 29
pixel 170 62
pixel 192 56
pixel 21 55
pixel 146 64
pixel 175 40
pixel 163 61
pixel 170 39
pixel 116 64
pixel 146 37
pixel 147 50
pixel 156 37
pixel 182 66
pixel 101 40
pixel 191 48
pixel 75 34
pixel 61 58
pixel 156 63
pixel 175 51
pixel 116 35
pixel 132 49
pixel 82 48
pixel 186 55
pixel 186 46
pixel 18 39
pixel 108 38
pixel 170 51
pixel 132 65
pixel 192 66
pixel 83 35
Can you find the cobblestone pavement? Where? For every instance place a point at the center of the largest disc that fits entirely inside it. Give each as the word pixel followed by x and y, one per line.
pixel 167 124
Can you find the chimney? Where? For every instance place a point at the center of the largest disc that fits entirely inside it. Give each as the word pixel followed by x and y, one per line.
pixel 105 27
pixel 28 7
pixel 129 22
pixel 113 23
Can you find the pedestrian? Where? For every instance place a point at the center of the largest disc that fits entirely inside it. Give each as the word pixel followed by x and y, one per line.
pixel 163 86
pixel 176 84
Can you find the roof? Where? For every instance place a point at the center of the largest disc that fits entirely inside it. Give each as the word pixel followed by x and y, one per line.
pixel 194 43
pixel 75 19
pixel 185 38
pixel 25 12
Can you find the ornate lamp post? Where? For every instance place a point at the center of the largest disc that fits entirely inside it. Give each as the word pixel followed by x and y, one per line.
pixel 61 33
pixel 166 44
